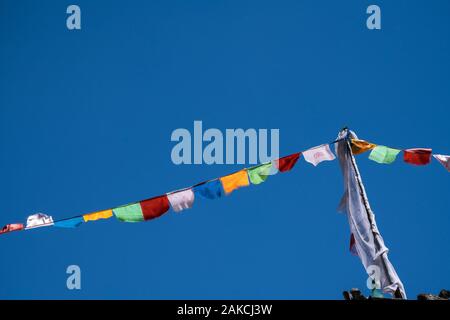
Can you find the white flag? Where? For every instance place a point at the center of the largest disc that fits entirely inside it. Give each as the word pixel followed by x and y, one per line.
pixel 368 242
pixel 318 154
pixel 180 200
pixel 444 160
pixel 39 220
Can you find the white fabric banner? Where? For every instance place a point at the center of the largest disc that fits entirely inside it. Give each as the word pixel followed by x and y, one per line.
pixel 180 200
pixel 318 154
pixel 39 220
pixel 444 160
pixel 369 244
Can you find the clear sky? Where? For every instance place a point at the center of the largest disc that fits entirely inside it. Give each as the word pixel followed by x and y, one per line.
pixel 85 124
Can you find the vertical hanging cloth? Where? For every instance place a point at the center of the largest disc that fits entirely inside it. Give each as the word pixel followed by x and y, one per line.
pixel 368 243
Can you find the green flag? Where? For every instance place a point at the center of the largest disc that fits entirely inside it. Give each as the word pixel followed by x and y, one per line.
pixel 382 154
pixel 129 213
pixel 260 173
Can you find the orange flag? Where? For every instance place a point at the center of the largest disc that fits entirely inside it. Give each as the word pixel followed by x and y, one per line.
pixel 105 214
pixel 234 181
pixel 360 146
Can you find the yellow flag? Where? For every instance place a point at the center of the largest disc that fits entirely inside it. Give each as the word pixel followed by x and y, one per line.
pixel 105 214
pixel 234 181
pixel 360 146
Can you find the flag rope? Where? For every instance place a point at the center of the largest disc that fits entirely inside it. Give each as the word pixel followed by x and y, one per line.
pixel 348 141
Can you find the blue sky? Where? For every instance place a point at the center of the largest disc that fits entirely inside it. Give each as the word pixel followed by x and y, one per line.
pixel 85 124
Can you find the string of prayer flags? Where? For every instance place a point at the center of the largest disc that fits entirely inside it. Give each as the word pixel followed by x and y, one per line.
pixel 318 154
pixel 39 220
pixel 360 146
pixel 69 223
pixel 234 181
pixel 209 190
pixel 287 163
pixel 181 200
pixel 383 154
pixel 12 227
pixel 259 174
pixel 417 156
pixel 444 160
pixel 105 214
pixel 212 189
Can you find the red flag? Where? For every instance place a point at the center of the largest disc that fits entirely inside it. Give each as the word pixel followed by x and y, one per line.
pixel 352 245
pixel 287 163
pixel 154 207
pixel 417 156
pixel 11 227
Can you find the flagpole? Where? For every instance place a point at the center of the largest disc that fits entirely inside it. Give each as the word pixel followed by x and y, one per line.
pixel 369 211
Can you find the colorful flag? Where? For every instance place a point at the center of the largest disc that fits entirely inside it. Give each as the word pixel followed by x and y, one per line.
pixel 154 207
pixel 417 156
pixel 259 174
pixel 286 163
pixel 210 190
pixel 69 223
pixel 11 227
pixel 318 154
pixel 39 220
pixel 180 200
pixel 360 146
pixel 105 214
pixel 444 160
pixel 234 181
pixel 382 154
pixel 129 213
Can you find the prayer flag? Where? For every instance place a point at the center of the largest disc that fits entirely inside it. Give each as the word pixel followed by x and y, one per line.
pixel 418 156
pixel 69 223
pixel 382 154
pixel 129 213
pixel 210 190
pixel 444 160
pixel 11 227
pixel 318 154
pixel 180 200
pixel 360 146
pixel 234 181
pixel 105 214
pixel 154 207
pixel 287 163
pixel 39 220
pixel 259 174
